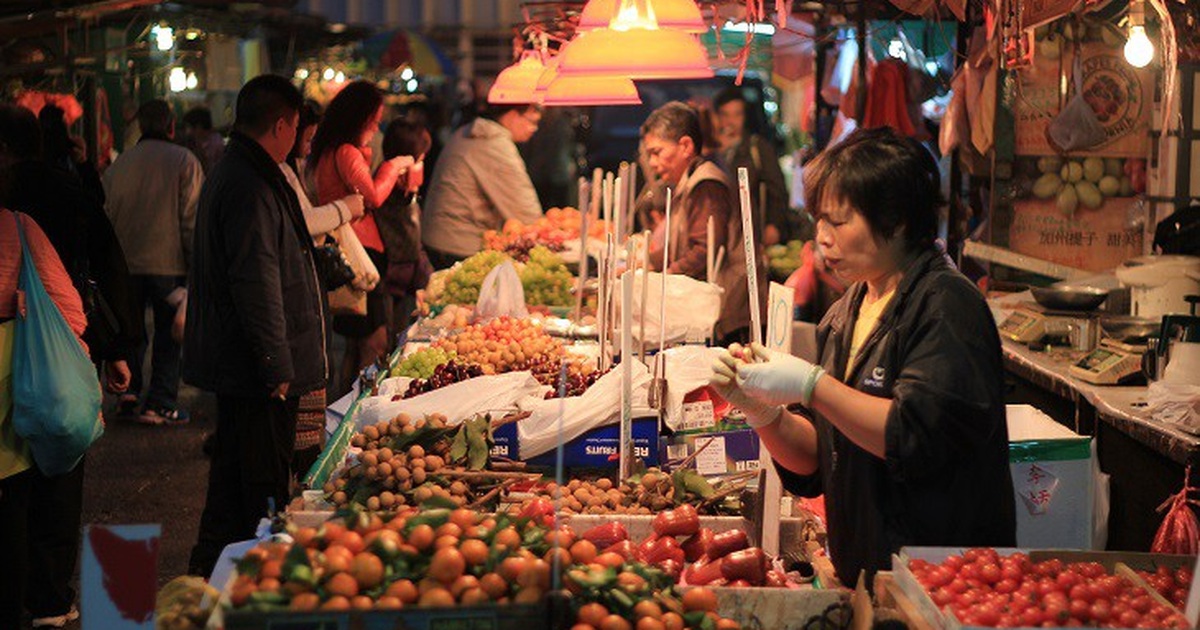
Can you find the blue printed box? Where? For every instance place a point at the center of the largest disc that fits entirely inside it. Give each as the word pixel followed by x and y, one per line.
pixel 596 448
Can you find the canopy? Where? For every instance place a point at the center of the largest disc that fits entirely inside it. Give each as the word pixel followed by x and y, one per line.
pixel 391 50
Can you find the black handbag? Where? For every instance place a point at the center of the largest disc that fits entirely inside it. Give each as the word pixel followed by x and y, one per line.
pixel 331 263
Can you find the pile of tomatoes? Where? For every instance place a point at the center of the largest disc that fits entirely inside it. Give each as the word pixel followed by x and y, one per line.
pixel 982 588
pixel 1173 585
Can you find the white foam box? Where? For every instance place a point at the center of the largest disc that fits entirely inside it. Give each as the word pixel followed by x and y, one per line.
pixel 776 608
pixel 1054 479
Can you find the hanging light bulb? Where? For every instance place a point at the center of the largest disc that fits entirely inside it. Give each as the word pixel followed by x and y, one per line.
pixel 634 47
pixel 1139 50
pixel 164 36
pixel 192 81
pixel 327 74
pixel 516 84
pixel 683 15
pixel 340 77
pixel 407 74
pixel 177 79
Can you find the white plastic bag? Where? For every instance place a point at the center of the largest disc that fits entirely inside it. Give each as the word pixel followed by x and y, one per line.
pixel 600 405
pixel 501 294
pixel 688 368
pixel 1175 403
pixel 693 308
pixel 465 399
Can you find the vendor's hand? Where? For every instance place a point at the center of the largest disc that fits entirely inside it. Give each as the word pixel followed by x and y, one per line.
pixel 354 205
pixel 117 376
pixel 724 380
pixel 777 378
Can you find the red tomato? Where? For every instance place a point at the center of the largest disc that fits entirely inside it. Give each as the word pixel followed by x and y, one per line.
pixel 1011 571
pixel 1183 577
pixel 1129 619
pixel 989 573
pixel 1066 580
pixel 957 586
pixel 1006 586
pixel 942 597
pixel 954 563
pixel 1100 611
pixel 1080 609
pixel 1142 604
pixel 1031 618
pixel 987 615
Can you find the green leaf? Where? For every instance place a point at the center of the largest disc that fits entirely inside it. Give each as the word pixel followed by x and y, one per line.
pixel 296 558
pixel 477 446
pixel 438 502
pixel 433 517
pixel 689 481
pixel 458 448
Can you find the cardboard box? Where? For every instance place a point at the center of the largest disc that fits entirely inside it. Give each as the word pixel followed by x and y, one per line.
pixel 596 448
pixel 729 452
pixel 1054 478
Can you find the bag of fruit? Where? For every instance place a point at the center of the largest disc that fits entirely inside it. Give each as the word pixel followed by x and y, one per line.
pixel 501 294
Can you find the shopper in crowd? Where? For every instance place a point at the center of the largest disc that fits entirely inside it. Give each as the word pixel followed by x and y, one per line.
pixel 479 183
pixel 341 164
pixel 83 239
pixel 671 138
pixel 740 148
pixel 199 136
pixel 151 191
pixel 254 331
pixel 320 220
pixel 903 428
pixel 399 222
pixel 68 152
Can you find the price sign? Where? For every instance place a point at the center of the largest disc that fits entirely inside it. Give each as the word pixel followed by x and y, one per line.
pixel 780 301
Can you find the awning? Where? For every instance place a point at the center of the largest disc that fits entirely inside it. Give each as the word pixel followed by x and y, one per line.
pixel 391 50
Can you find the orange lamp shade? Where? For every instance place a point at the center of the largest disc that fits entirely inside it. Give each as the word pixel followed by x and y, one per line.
pixel 547 77
pixel 683 15
pixel 517 83
pixel 636 53
pixel 580 91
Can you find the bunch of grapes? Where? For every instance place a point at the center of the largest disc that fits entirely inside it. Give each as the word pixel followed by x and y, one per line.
pixel 443 375
pixel 519 248
pixel 579 379
pixel 422 363
pixel 502 345
pixel 546 279
pixel 462 285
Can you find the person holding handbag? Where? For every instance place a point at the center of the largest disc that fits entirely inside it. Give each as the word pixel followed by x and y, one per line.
pixel 321 220
pixel 341 164
pixel 399 222
pixel 18 470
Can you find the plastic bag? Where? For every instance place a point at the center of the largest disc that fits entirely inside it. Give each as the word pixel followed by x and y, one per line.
pixel 1175 403
pixel 501 294
pixel 1076 128
pixel 55 390
pixel 1180 531
pixel 693 308
pixel 688 368
pixel 600 405
pixel 483 394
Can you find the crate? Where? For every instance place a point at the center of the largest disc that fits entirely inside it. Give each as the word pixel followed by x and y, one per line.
pixel 777 608
pixel 485 617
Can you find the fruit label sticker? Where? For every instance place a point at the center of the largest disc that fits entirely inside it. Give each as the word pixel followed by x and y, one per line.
pixel 711 460
pixel 1036 487
pixel 698 415
pixel 119 576
pixel 1120 95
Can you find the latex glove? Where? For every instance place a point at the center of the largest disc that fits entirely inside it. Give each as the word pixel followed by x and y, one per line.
pixel 724 380
pixel 778 378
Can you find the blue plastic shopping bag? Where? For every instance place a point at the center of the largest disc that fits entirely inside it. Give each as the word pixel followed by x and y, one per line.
pixel 56 393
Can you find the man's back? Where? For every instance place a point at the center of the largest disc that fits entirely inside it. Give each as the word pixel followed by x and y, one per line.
pixel 151 192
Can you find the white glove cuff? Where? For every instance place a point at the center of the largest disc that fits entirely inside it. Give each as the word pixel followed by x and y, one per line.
pixel 762 417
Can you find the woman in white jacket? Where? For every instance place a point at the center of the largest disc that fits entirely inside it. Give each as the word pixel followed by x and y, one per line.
pixel 321 220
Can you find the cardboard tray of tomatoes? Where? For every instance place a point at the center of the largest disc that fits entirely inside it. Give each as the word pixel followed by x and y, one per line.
pixel 1113 562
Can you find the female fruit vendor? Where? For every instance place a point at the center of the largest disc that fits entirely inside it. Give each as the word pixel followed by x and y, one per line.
pixel 902 425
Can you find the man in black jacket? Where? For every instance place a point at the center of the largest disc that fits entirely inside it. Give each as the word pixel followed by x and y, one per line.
pixel 254 331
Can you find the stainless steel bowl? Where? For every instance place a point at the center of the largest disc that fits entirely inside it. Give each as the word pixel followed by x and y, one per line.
pixel 1069 299
pixel 1129 329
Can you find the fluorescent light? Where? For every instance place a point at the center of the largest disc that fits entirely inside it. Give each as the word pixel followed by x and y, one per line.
pixel 759 28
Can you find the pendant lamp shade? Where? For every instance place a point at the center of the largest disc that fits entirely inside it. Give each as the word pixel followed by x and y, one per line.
pixel 682 15
pixel 581 91
pixel 517 83
pixel 637 53
pixel 547 77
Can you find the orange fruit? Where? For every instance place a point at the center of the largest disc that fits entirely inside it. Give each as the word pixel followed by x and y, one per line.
pixel 592 614
pixel 528 595
pixel 437 597
pixel 699 598
pixel 564 557
pixel 449 529
pixel 649 623
pixel 353 541
pixel 463 584
pixel 536 574
pixel 728 624
pixel 445 541
pixel 474 551
pixel 672 621
pixel 271 569
pixel 337 602
pixel 342 584
pixel 421 537
pixel 614 622
pixel 647 608
pixel 507 538
pixel 562 536
pixel 304 536
pixel 305 602
pixel 367 569
pixel 447 564
pixel 404 590
pixel 583 626
pixel 268 584
pixel 610 559
pixel 389 602
pixel 333 532
pixel 494 585
pixel 512 567
pixel 361 602
pixel 474 596
pixel 463 518
pixel 583 552
pixel 241 593
pixel 337 559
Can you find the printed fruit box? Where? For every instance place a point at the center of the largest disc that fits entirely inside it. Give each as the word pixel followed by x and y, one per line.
pixel 597 448
pixel 1096 590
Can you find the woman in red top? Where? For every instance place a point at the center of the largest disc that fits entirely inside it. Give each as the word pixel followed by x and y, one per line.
pixel 341 163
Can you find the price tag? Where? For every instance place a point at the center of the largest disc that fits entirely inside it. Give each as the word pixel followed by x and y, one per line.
pixel 711 460
pixel 1037 488
pixel 780 301
pixel 698 415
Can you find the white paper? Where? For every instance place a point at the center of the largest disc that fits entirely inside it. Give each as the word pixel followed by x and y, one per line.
pixel 780 300
pixel 711 460
pixel 698 415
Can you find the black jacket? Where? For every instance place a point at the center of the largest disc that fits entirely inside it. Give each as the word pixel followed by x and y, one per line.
pixel 254 305
pixel 945 480
pixel 74 221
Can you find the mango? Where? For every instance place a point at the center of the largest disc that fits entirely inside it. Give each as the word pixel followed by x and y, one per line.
pixel 1067 200
pixel 1093 169
pixel 1089 195
pixel 1047 186
pixel 1109 186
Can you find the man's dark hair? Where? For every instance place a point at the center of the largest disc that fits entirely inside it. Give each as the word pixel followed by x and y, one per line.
pixel 892 180
pixel 198 117
pixel 496 112
pixel 155 118
pixel 20 134
pixel 263 101
pixel 405 138
pixel 727 96
pixel 675 121
pixel 345 118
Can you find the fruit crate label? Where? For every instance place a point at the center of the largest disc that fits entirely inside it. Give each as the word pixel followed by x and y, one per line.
pixel 698 415
pixel 711 460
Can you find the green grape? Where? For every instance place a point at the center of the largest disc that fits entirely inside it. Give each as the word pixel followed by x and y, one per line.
pixel 462 285
pixel 422 363
pixel 546 279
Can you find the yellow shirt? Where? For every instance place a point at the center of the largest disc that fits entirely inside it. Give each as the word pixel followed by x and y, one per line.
pixel 868 316
pixel 14 452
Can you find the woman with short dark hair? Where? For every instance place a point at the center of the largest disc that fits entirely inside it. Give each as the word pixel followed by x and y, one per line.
pixel 903 423
pixel 399 221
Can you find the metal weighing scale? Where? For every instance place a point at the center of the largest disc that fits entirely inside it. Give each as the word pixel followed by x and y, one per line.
pixel 1031 322
pixel 1110 363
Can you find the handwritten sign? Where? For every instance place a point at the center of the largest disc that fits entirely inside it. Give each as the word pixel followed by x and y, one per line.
pixel 1094 240
pixel 780 301
pixel 711 460
pixel 119 576
pixel 1037 488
